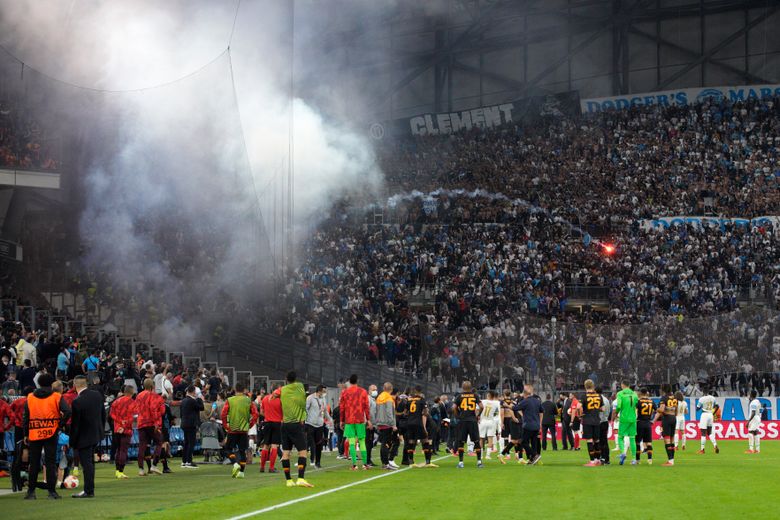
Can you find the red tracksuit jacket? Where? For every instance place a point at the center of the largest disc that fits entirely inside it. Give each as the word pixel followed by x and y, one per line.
pixel 122 412
pixel 150 408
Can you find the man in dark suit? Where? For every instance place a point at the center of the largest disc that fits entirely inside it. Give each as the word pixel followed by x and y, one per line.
pixel 86 431
pixel 549 411
pixel 191 406
pixel 567 434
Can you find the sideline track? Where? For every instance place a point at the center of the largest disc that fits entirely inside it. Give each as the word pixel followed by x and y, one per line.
pixel 322 493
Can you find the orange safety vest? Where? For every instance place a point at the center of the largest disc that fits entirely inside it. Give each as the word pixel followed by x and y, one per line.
pixel 44 416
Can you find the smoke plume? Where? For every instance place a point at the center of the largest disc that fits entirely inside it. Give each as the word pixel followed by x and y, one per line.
pixel 179 203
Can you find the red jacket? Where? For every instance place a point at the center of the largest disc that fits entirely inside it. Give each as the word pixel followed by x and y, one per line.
pixel 272 408
pixel 69 397
pixel 6 413
pixel 150 408
pixel 122 412
pixel 353 406
pixel 17 407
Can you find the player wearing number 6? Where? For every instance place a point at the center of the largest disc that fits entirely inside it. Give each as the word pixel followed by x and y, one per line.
pixel 467 409
pixel 417 428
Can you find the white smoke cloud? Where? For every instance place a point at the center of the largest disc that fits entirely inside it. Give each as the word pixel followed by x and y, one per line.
pixel 170 161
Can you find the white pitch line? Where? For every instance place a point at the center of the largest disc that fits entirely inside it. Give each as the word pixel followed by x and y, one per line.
pixel 321 493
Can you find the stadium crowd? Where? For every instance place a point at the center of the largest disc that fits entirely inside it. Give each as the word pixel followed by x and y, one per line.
pixel 492 226
pixel 23 142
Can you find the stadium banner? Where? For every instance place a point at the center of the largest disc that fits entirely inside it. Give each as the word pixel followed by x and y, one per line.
pixel 666 222
pixel 680 97
pixel 733 422
pixel 524 110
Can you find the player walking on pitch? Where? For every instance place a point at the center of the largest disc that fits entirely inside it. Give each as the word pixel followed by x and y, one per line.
pixel 625 414
pixel 293 397
pixel 667 410
pixel 707 406
pixel 590 409
pixel 754 424
pixel 679 431
pixel 488 420
pixel 644 425
pixel 467 409
pixel 355 413
pixel 417 429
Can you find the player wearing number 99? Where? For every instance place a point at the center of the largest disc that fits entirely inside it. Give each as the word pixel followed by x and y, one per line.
pixel 667 411
pixel 417 428
pixel 467 408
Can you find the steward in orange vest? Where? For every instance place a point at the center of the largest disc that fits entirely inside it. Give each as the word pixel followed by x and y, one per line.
pixel 44 411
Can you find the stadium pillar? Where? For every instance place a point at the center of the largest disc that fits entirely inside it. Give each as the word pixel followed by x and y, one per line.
pixel 553 321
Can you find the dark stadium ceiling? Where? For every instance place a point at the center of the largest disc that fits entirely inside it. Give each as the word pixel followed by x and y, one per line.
pixel 418 47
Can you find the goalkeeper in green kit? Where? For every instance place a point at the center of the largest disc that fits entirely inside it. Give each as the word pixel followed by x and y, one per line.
pixel 626 411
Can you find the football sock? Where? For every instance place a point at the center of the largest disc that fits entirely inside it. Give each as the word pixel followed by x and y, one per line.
pixel 670 450
pixel 409 450
pixel 286 466
pixel 460 453
pixel 263 458
pixel 712 438
pixel 427 453
pixel 363 451
pixel 750 441
pixel 621 443
pixel 683 439
pixel 632 442
pixel 676 439
pixel 507 448
pixel 301 466
pixel 591 451
pixel 757 438
pixel 353 451
pixel 478 451
pixel 703 441
pixel 649 448
pixel 272 459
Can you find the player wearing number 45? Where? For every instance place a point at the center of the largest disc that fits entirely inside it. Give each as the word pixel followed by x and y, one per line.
pixel 467 409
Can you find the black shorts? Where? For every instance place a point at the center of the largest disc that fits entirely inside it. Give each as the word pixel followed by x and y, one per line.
pixel 469 429
pixel 644 432
pixel 516 430
pixel 591 431
pixel 237 442
pixel 668 425
pixel 293 435
pixel 272 433
pixel 415 432
pixel 506 429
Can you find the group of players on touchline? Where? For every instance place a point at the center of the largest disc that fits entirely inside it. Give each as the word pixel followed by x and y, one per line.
pixel 517 418
pixel 291 420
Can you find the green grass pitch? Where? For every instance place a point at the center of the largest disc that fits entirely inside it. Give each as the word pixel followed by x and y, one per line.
pixel 699 486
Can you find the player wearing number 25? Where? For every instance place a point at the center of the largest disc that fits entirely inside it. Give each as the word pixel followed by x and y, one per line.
pixel 44 411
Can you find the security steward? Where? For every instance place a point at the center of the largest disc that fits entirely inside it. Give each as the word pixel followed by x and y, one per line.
pixel 44 411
